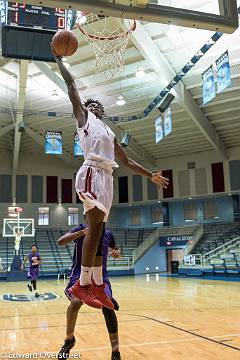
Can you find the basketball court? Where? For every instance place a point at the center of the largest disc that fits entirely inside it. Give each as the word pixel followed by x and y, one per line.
pixel 168 76
pixel 168 318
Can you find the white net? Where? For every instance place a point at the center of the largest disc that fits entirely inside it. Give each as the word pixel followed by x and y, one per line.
pixel 109 40
pixel 18 237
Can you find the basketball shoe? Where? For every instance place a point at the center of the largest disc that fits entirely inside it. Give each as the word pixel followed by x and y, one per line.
pixel 85 294
pixel 65 349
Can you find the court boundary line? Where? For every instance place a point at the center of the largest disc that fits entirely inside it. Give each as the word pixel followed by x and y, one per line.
pixel 138 344
pixel 191 332
pixel 144 344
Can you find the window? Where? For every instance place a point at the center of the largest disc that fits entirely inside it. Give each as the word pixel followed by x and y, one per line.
pixel 210 209
pixel 190 212
pixel 135 216
pixel 72 216
pixel 43 216
pixel 157 215
pixel 123 189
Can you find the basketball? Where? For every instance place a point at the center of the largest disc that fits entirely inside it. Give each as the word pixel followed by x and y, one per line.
pixel 64 43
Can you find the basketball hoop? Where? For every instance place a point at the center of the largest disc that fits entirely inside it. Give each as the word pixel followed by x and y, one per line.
pixel 108 40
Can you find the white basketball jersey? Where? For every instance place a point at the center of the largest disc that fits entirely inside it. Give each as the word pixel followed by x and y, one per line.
pixel 97 141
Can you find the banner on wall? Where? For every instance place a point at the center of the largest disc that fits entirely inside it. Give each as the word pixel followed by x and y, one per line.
pixel 77 150
pixel 53 142
pixel 167 121
pixel 174 240
pixel 159 129
pixel 223 72
pixel 209 91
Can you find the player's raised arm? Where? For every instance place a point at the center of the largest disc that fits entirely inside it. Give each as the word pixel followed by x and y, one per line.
pixel 156 178
pixel 79 111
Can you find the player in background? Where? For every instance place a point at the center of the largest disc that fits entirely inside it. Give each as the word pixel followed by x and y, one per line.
pixel 77 235
pixel 94 185
pixel 35 260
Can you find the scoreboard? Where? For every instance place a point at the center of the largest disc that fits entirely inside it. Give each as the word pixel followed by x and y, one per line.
pixel 27 30
pixel 35 17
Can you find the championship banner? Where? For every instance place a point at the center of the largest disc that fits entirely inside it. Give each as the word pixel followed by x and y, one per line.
pixel 223 72
pixel 159 129
pixel 53 142
pixel 167 122
pixel 209 91
pixel 77 150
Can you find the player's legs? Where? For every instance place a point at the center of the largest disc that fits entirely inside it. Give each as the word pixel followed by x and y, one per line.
pixel 97 274
pixel 90 249
pixel 112 326
pixel 112 323
pixel 72 313
pixel 34 281
pixel 95 219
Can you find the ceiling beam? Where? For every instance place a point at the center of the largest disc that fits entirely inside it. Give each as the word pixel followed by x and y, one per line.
pixel 133 147
pixel 6 129
pixel 22 81
pixel 21 93
pixel 226 22
pixel 39 139
pixel 162 67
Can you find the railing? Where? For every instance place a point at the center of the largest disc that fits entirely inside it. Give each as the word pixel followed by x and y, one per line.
pixel 56 248
pixel 191 244
pixel 220 249
pixel 145 245
pixel 53 252
pixel 204 260
pixel 66 246
pixel 125 263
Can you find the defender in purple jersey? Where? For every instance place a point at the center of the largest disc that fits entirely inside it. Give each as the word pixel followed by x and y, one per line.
pixel 35 260
pixel 77 235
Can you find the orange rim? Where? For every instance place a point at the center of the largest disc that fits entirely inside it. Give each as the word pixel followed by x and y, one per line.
pixel 133 28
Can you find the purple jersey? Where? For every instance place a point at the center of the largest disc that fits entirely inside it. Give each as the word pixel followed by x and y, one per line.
pixel 34 259
pixel 108 241
pixel 33 265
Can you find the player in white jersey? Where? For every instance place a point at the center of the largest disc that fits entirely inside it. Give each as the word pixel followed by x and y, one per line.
pixel 94 185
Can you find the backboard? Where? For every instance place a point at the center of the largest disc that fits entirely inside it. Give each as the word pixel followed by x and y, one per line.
pixel 12 227
pixel 221 15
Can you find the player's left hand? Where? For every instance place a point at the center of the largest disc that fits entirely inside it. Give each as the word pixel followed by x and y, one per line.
pixel 158 179
pixel 116 253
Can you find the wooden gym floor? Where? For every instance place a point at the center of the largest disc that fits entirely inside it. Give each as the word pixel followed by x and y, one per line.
pixel 160 319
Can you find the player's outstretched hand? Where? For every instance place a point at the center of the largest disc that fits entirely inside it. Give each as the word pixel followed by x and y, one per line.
pixel 158 179
pixel 116 253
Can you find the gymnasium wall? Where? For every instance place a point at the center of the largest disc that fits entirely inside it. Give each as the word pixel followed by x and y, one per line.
pixel 154 257
pixel 212 175
pixel 38 176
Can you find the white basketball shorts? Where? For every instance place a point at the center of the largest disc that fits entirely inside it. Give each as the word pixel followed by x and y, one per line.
pixel 95 189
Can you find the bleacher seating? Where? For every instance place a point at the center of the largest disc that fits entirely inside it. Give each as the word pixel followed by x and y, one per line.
pixel 216 235
pixel 227 262
pixel 57 259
